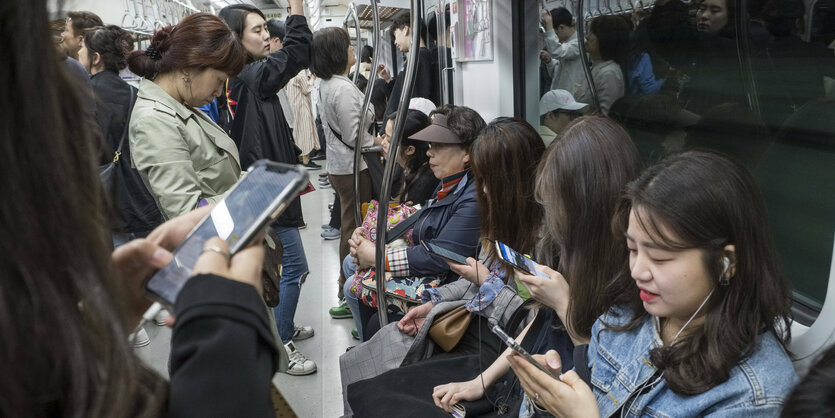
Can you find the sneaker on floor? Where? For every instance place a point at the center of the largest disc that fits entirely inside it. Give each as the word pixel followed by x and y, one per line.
pixel 355 334
pixel 318 157
pixel 341 311
pixel 325 227
pixel 324 185
pixel 161 316
pixel 299 364
pixel 139 338
pixel 331 234
pixel 323 175
pixel 312 166
pixel 302 332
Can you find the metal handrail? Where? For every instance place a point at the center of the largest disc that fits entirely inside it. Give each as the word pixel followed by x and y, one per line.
pixel 743 49
pixel 126 16
pixel 394 148
pixel 447 69
pixel 581 29
pixel 352 12
pixel 369 87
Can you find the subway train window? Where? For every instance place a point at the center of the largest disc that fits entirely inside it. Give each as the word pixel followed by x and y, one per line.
pixel 751 79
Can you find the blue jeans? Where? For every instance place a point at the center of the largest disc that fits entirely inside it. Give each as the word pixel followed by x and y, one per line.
pixel 293 268
pixel 350 269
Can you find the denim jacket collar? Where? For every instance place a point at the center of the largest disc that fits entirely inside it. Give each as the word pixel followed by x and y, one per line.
pixel 621 370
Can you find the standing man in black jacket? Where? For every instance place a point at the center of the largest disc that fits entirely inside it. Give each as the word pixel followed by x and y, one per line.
pixel 260 130
pixel 426 75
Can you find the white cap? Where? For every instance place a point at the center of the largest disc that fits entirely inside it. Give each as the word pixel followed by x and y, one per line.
pixel 424 105
pixel 558 100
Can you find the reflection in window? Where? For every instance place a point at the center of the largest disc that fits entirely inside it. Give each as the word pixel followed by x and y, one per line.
pixel 686 85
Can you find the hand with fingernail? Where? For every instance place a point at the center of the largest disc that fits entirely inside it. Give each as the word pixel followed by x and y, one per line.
pixel 567 397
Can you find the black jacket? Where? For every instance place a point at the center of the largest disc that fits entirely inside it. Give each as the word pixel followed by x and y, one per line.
pixel 137 210
pixel 258 126
pixel 222 351
pixel 426 82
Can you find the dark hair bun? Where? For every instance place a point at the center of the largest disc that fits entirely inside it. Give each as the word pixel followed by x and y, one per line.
pixel 145 63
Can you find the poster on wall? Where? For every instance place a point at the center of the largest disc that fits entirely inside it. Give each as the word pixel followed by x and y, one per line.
pixel 475 30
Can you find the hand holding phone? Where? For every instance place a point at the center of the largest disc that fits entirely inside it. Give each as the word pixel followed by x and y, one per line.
pixel 444 253
pixel 517 260
pixel 252 204
pixel 245 266
pixel 507 339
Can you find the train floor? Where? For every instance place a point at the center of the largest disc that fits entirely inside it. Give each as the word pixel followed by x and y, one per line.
pixel 318 394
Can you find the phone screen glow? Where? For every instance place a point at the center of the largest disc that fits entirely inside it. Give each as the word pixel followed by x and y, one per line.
pixel 231 219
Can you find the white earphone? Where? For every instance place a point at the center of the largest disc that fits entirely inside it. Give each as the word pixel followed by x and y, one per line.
pixel 726 264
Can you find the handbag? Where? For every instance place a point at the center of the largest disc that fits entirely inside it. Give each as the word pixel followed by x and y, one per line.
pixel 397 214
pixel 133 208
pixel 448 329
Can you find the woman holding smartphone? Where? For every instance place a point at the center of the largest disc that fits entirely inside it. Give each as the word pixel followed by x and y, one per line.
pixel 503 156
pixel 578 203
pixel 702 324
pixel 67 303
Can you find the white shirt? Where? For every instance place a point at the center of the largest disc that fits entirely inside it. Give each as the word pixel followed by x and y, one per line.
pixel 608 79
pixel 565 67
pixel 339 106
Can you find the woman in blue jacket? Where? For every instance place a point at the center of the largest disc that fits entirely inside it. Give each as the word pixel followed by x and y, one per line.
pixel 451 220
pixel 703 323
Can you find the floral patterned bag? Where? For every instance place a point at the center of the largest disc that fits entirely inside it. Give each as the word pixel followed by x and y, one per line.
pixel 397 213
pixel 401 292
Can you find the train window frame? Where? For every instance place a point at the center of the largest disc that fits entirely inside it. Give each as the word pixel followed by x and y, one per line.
pixel 807 304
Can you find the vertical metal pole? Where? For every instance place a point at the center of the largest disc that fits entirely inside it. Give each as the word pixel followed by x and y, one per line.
pixel 743 48
pixel 440 20
pixel 394 148
pixel 581 43
pixel 372 77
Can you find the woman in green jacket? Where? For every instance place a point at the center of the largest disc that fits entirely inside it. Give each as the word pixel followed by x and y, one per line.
pixel 183 157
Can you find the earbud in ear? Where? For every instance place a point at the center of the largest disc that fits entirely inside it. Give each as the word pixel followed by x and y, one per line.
pixel 724 280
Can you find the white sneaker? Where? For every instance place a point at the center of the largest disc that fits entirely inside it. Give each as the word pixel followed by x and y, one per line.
pixel 299 364
pixel 161 316
pixel 302 333
pixel 139 338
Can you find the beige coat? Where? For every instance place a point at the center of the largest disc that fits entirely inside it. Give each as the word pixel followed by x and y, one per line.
pixel 181 154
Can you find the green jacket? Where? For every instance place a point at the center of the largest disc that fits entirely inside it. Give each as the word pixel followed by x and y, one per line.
pixel 181 154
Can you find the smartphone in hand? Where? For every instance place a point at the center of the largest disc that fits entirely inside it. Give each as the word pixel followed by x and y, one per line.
pixel 507 339
pixel 444 253
pixel 252 204
pixel 517 260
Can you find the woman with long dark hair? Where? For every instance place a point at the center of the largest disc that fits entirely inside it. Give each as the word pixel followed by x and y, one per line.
pixel 67 304
pixel 579 182
pixel 260 130
pixel 703 319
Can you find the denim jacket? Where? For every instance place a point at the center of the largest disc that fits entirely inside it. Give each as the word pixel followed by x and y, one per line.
pixel 620 369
